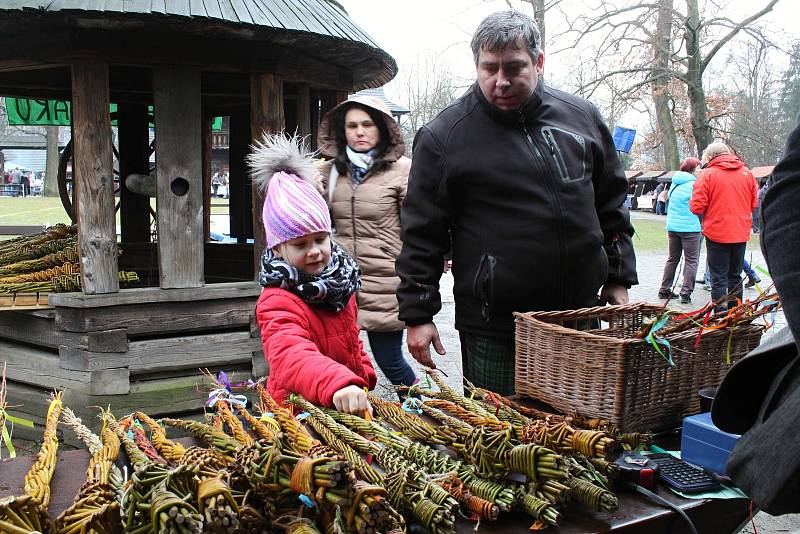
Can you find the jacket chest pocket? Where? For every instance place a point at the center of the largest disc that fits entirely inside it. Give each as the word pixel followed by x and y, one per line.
pixel 567 153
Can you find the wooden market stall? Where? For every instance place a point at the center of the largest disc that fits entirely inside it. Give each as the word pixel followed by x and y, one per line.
pixel 267 65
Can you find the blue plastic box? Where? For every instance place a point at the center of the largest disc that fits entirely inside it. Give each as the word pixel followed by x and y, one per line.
pixel 705 445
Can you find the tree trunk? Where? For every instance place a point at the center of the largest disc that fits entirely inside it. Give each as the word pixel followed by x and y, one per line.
pixel 701 130
pixel 660 85
pixel 538 15
pixel 51 167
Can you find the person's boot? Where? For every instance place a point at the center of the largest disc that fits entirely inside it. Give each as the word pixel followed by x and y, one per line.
pixel 667 295
pixel 752 280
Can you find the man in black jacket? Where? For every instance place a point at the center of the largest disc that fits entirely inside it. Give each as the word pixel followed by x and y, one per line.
pixel 523 183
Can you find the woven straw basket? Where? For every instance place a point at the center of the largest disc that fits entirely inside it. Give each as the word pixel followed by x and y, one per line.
pixel 609 373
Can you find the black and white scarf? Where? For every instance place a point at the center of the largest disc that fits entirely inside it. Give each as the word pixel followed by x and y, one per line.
pixel 330 290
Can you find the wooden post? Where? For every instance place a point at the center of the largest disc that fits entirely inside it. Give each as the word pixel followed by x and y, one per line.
pixel 316 115
pixel 208 121
pixel 266 116
pixel 241 220
pixel 179 176
pixel 303 114
pixel 134 158
pixel 94 178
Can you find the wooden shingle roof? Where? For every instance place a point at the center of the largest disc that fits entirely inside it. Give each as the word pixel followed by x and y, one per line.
pixel 321 27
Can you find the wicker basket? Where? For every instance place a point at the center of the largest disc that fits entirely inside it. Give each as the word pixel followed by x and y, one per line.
pixel 609 373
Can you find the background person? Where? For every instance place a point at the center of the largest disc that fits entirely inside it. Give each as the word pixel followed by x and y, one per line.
pixel 523 183
pixel 725 196
pixel 683 233
pixel 365 185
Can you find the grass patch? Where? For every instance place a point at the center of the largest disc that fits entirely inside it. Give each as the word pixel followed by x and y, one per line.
pixel 49 210
pixel 651 236
pixel 32 210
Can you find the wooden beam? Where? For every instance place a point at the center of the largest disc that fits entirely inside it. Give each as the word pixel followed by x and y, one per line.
pixel 303 117
pixel 94 178
pixel 179 176
pixel 167 354
pixel 266 116
pixel 151 296
pixel 134 158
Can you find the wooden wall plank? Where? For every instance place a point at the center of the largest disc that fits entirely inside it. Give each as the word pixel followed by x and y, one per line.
pixel 167 354
pixel 152 295
pixel 266 116
pixel 141 319
pixel 39 328
pixel 110 382
pixel 93 171
pixel 38 367
pixel 176 96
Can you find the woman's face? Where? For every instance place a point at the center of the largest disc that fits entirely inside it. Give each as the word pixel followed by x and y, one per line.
pixel 360 131
pixel 310 253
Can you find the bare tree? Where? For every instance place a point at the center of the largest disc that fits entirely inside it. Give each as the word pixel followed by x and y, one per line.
pixel 695 40
pixel 539 8
pixel 426 85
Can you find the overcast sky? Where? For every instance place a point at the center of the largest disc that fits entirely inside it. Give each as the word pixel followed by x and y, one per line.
pixel 409 28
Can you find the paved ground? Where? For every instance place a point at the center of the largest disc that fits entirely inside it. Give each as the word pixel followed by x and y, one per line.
pixel 650 267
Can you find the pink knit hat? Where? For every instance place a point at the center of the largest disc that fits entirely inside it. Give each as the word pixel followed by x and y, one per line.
pixel 292 205
pixel 293 208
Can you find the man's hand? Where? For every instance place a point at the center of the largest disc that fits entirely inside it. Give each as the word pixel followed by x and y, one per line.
pixel 419 339
pixel 613 294
pixel 352 399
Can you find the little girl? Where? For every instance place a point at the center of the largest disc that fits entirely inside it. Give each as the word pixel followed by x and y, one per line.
pixel 306 312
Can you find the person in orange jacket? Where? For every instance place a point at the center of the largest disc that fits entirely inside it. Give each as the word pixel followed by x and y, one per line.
pixel 725 196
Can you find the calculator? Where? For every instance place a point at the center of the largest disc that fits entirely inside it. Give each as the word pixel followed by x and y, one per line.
pixel 681 475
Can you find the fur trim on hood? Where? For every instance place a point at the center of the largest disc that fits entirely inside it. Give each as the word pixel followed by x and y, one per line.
pixel 326 139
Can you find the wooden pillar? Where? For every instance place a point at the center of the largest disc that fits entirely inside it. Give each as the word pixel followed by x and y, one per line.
pixel 241 198
pixel 93 177
pixel 315 115
pixel 179 176
pixel 266 116
pixel 208 120
pixel 303 118
pixel 134 158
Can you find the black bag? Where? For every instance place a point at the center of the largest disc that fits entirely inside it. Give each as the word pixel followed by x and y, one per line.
pixel 760 399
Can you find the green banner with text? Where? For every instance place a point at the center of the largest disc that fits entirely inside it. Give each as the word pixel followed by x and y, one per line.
pixel 37 112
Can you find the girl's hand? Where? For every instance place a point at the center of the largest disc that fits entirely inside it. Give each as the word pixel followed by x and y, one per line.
pixel 352 399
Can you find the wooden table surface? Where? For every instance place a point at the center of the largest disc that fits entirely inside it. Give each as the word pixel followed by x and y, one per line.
pixel 636 513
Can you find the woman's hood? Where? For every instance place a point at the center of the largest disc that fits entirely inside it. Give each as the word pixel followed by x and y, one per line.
pixel 681 177
pixel 326 139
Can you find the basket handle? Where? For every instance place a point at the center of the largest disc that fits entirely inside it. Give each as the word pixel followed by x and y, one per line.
pixel 583 313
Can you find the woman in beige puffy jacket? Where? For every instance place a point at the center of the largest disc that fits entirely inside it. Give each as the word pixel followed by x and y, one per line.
pixel 365 185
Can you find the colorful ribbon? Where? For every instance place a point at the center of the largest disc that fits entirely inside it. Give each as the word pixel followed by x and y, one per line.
pixel 656 341
pixel 4 415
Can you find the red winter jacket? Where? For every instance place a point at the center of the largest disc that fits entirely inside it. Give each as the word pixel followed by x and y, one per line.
pixel 725 195
pixel 310 351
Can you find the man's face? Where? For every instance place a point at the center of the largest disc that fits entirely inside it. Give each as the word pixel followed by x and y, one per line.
pixel 508 76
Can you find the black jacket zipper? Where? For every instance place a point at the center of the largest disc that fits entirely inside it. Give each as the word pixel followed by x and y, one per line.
pixel 557 156
pixel 537 156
